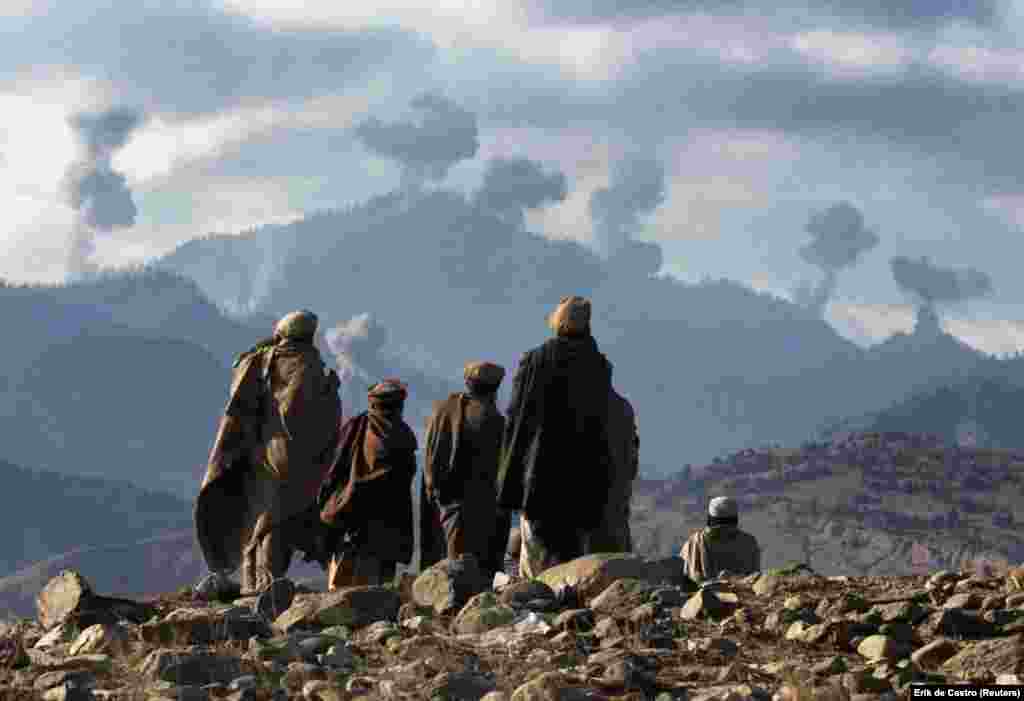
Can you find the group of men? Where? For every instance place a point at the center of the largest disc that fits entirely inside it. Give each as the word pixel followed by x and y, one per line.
pixel 287 474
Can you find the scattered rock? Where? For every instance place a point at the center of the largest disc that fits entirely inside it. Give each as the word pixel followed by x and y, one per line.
pixel 482 613
pixel 183 667
pixel 523 591
pixel 592 574
pixel 68 596
pixel 351 606
pixel 932 655
pixel 999 656
pixel 706 604
pixel 449 584
pixel 882 647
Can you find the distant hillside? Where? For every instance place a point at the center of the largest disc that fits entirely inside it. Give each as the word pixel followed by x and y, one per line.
pixel 47 513
pixel 984 411
pixel 864 503
pixel 117 406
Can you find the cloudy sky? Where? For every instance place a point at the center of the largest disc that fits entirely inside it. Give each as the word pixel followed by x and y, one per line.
pixel 761 114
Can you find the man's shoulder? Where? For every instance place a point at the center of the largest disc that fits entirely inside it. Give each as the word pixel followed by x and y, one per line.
pixel 748 537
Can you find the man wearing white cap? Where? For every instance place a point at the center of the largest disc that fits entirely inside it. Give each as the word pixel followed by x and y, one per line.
pixel 721 546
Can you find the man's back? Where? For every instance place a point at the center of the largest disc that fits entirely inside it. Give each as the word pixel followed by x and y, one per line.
pixel 715 549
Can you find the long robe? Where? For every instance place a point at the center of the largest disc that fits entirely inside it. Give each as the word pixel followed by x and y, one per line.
pixel 715 549
pixel 280 423
pixel 613 533
pixel 556 444
pixel 366 496
pixel 463 443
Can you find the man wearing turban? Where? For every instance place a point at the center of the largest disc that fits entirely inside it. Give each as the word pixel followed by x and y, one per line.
pixel 274 443
pixel 721 546
pixel 463 442
pixel 556 462
pixel 366 497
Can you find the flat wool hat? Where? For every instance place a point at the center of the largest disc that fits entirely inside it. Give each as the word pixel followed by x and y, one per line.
pixel 723 507
pixel 483 373
pixel 390 389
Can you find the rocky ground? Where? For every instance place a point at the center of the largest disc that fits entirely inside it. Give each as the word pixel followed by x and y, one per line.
pixel 601 627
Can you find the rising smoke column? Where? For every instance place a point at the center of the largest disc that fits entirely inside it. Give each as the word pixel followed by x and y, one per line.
pixel 637 188
pixel 838 239
pixel 356 345
pixel 99 194
pixel 445 135
pixel 512 185
pixel 930 285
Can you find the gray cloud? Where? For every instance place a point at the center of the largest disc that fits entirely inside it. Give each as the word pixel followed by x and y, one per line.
pixel 99 194
pixel 908 14
pixel 192 57
pixel 427 149
pixel 930 284
pixel 636 189
pixel 512 185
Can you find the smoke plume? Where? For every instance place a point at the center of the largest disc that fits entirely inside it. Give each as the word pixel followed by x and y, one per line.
pixel 637 188
pixel 426 150
pixel 98 193
pixel 838 239
pixel 931 285
pixel 356 345
pixel 513 185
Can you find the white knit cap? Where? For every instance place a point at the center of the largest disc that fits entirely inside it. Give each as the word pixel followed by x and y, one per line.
pixel 722 507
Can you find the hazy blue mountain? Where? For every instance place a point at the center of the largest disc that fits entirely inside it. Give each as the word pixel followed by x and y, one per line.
pixel 47 513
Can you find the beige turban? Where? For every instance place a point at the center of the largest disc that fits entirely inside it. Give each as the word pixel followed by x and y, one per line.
pixel 484 373
pixel 571 317
pixel 300 325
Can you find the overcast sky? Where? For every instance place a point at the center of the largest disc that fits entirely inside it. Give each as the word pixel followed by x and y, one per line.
pixel 760 117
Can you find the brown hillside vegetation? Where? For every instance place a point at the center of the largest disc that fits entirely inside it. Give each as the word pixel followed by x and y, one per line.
pixel 863 504
pixel 600 627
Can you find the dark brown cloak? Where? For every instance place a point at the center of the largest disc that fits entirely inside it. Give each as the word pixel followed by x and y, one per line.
pixel 463 443
pixel 367 493
pixel 556 443
pixel 283 409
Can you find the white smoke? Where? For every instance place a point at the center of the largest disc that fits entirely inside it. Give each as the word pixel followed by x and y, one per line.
pixel 356 345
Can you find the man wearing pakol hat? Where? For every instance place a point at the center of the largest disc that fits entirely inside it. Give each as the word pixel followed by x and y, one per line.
pixel 556 461
pixel 463 442
pixel 366 497
pixel 274 443
pixel 721 546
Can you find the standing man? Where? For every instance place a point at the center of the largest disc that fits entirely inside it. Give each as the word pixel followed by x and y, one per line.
pixel 272 448
pixel 556 461
pixel 463 445
pixel 366 497
pixel 613 535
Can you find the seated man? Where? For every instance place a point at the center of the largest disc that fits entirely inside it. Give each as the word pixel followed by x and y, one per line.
pixel 721 546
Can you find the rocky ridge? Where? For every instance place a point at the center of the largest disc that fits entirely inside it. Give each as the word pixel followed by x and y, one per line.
pixel 600 627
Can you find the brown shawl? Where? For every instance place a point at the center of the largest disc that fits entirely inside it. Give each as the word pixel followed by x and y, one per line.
pixel 367 491
pixel 712 550
pixel 442 439
pixel 281 419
